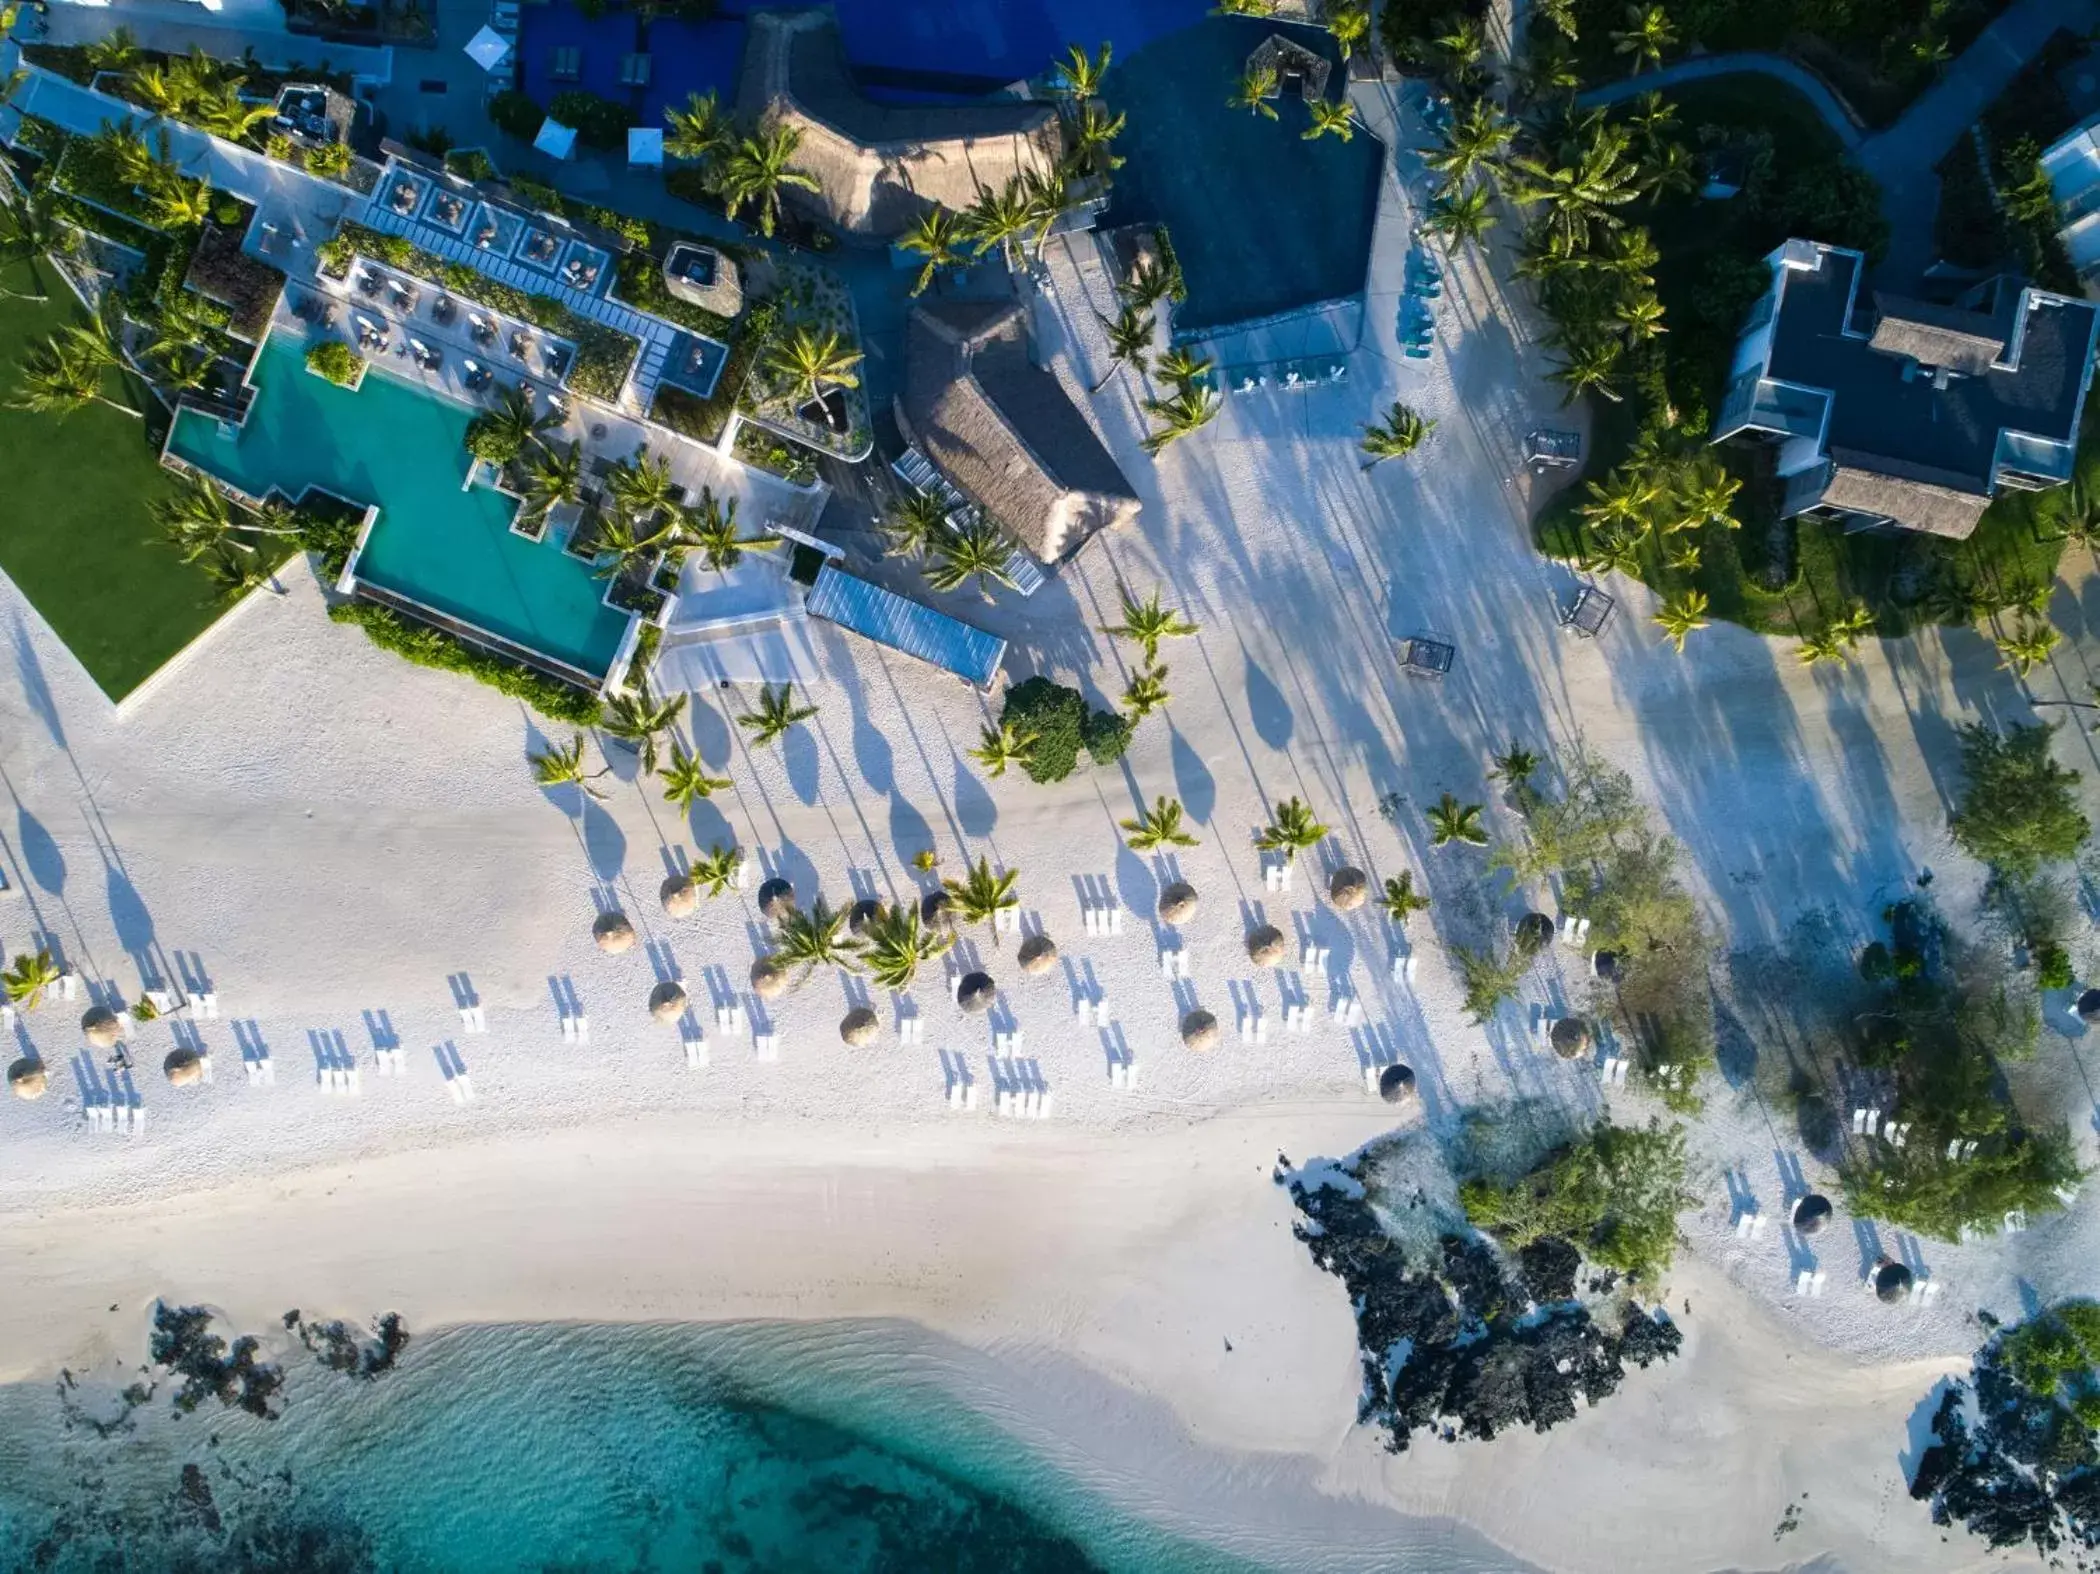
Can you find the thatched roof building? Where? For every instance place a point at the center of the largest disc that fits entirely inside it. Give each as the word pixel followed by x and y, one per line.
pixel 880 165
pixel 1003 430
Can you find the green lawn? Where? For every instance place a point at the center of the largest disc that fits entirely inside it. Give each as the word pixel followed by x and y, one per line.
pixel 74 534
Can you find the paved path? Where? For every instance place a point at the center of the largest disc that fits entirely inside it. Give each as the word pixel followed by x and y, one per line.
pixel 1701 68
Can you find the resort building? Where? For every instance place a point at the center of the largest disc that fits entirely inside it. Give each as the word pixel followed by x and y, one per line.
pixel 1001 429
pixel 880 165
pixel 2073 167
pixel 1888 412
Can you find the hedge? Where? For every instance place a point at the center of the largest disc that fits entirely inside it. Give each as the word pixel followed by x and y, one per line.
pixel 425 646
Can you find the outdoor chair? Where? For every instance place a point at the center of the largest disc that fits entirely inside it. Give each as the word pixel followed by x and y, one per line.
pixel 1592 609
pixel 1423 657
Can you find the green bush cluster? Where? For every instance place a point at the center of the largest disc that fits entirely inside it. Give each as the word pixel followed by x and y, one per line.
pixel 516 115
pixel 599 122
pixel 2018 808
pixel 431 647
pixel 1063 726
pixel 472 164
pixel 1615 1192
pixel 336 361
pixel 703 419
pixel 640 283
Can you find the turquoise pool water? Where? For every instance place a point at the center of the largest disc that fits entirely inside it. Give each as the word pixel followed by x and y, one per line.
pixel 392 444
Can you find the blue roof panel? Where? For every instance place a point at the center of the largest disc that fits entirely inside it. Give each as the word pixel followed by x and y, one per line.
pixel 906 625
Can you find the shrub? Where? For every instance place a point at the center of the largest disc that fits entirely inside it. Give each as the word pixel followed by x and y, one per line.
pixel 227 211
pixel 429 647
pixel 493 440
pixel 1614 1192
pixel 2053 967
pixel 599 122
pixel 1917 1187
pixel 335 361
pixel 331 160
pixel 1057 716
pixel 535 194
pixel 473 164
pixel 603 356
pixel 516 115
pixel 1106 734
pixel 1491 977
pixel 2017 808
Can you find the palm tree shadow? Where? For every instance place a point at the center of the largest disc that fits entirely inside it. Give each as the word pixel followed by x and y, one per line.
pixel 604 843
pixel 974 807
pixel 1192 779
pixel 804 767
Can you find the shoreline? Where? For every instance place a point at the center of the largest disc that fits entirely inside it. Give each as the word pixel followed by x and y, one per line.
pixel 1090 1284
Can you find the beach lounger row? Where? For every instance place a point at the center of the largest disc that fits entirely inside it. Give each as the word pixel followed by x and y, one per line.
pixel 127 1120
pixel 1123 1075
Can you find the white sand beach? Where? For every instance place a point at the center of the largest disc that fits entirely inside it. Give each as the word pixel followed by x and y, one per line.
pixel 338 845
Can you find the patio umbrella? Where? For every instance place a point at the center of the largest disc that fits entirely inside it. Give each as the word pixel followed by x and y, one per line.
pixel 667 1001
pixel 769 978
pixel 776 899
pixel 1812 1214
pixel 2089 1007
pixel 1892 1282
pixel 488 48
pixel 860 1027
pixel 1534 933
pixel 864 913
pixel 679 895
pixel 613 933
pixel 1199 1031
pixel 1348 889
pixel 100 1028
pixel 1571 1037
pixel 1038 954
pixel 976 993
pixel 1396 1084
pixel 935 906
pixel 1265 946
pixel 183 1068
pixel 1177 903
pixel 26 1079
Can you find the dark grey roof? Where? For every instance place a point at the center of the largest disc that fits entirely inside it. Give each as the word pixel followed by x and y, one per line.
pixel 822 83
pixel 1887 422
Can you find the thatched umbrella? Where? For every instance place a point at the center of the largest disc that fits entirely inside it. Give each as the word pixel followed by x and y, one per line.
pixel 860 1027
pixel 1892 1282
pixel 1534 933
pixel 976 993
pixel 2089 1007
pixel 776 899
pixel 667 1001
pixel 99 1026
pixel 1348 888
pixel 679 895
pixel 863 913
pixel 935 906
pixel 1396 1084
pixel 1571 1037
pixel 769 978
pixel 26 1079
pixel 1199 1031
pixel 1038 954
pixel 183 1067
pixel 1177 903
pixel 1265 946
pixel 613 933
pixel 1812 1214
pixel 1605 964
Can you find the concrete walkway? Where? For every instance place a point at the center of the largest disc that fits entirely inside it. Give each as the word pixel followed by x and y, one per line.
pixel 223 40
pixel 1702 68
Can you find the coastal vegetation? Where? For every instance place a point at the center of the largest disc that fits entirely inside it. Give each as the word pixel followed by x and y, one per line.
pixel 1061 724
pixel 1615 1192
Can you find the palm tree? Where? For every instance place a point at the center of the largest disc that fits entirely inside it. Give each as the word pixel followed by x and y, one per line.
pixel 1582 193
pixel 642 487
pixel 1516 767
pixel 224 113
pixel 1292 831
pixel 712 528
pixel 634 718
pixel 2030 643
pixel 197 519
pixel 815 939
pixel 62 375
pixel 700 132
pixel 1853 625
pixel 1147 691
pixel 1003 745
pixel 982 896
pixel 999 218
pixel 1474 139
pixel 1149 284
pixel 1460 215
pixel 1614 549
pixel 1451 821
pixel 937 235
pixel 553 476
pixel 1047 193
pixel 758 170
pixel 505 429
pixel 775 714
pixel 1640 315
pixel 1158 826
pixel 1093 132
pixel 1349 24
pixel 1333 117
pixel 1589 366
pixel 899 944
pixel 1190 410
pixel 976 549
pixel 1079 75
pixel 1558 14
pixel 176 202
pixel 34 230
pixel 716 869
pixel 1822 645
pixel 1182 367
pixel 116 50
pixel 563 767
pixel 1707 493
pixel 1620 500
pixel 28 978
pixel 1129 340
pixel 1253 90
pixel 1401 900
pixel 157 89
pixel 1684 557
pixel 1681 615
pixel 686 780
pixel 1399 435
pixel 1145 623
pixel 1648 32
pixel 1548 74
pixel 2075 510
pixel 914 523
pixel 810 362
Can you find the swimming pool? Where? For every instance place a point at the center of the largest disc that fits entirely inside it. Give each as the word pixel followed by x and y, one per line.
pixel 1263 221
pixel 393 444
